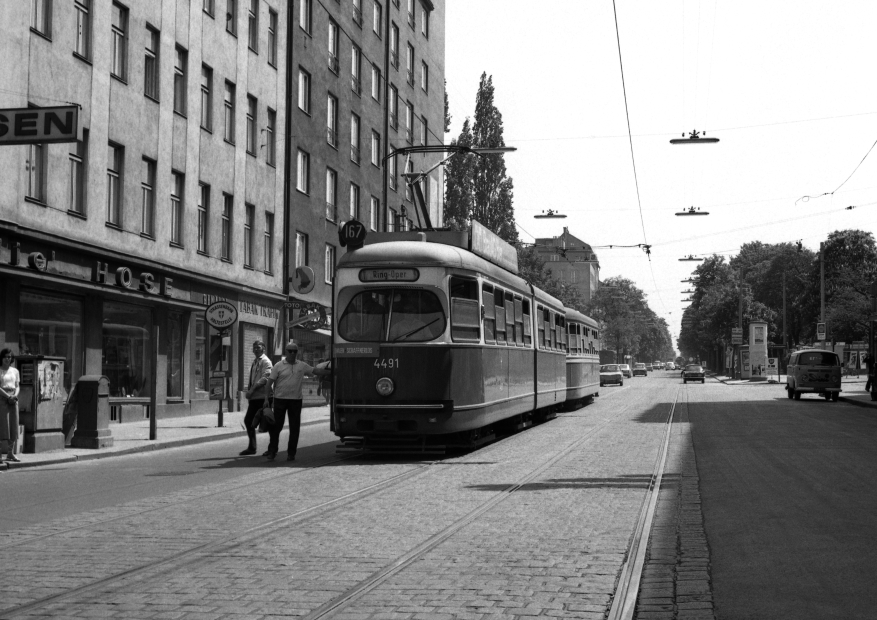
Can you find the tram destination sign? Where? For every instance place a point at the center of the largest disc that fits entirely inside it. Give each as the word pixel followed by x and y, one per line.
pixel 407 274
pixel 491 247
pixel 39 125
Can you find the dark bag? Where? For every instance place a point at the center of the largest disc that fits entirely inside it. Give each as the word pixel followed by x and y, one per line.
pixel 264 419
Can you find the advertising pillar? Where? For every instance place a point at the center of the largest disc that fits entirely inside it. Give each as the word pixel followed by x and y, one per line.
pixel 758 350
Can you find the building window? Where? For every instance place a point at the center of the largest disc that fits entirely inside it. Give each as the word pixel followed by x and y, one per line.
pixel 249 221
pixel 119 59
pixel 272 37
pixel 151 64
pixel 229 111
pixel 331 187
pixel 409 193
pixel 409 123
pixel 355 65
pixel 252 132
pixel 373 213
pixel 394 107
pixel 394 45
pixel 409 63
pixel 333 47
pixel 411 13
pixel 354 138
pixel 83 28
pixel 392 220
pixel 206 97
pixel 126 348
pixel 354 201
pixel 115 159
pixel 304 15
pixel 225 248
pixel 424 76
pixel 391 172
pixel 301 249
pixel 178 184
pixel 231 18
pixel 41 17
pixel 209 7
pixel 332 121
pixel 147 189
pixel 376 83
pixel 303 172
pixel 329 265
pixel 304 91
pixel 175 342
pixel 78 166
pixel 269 242
pixel 180 61
pixel 253 19
pixel 270 140
pixel 424 21
pixel 357 12
pixel 203 213
pixel 377 21
pixel 424 130
pixel 376 148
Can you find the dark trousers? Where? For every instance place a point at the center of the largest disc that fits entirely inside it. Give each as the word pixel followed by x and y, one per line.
pixel 252 408
pixel 281 407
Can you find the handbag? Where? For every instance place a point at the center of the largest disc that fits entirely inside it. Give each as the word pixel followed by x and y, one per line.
pixel 264 419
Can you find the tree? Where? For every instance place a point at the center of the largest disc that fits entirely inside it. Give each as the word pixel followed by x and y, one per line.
pixel 447 109
pixel 477 187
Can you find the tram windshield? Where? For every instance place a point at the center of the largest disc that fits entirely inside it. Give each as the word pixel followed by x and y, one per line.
pixel 392 315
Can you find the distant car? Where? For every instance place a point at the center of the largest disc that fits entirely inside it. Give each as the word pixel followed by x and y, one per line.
pixel 658 365
pixel 814 371
pixel 693 372
pixel 640 369
pixel 611 373
pixel 625 370
pixel 670 366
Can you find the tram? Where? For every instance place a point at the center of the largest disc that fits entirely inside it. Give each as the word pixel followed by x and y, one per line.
pixel 438 344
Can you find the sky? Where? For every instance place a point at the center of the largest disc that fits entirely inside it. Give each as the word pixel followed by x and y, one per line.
pixel 788 87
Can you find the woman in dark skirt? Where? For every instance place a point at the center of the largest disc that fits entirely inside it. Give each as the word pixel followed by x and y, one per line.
pixel 9 388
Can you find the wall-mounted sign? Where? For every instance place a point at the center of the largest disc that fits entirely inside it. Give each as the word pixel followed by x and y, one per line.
pixel 303 280
pixel 352 233
pixel 389 275
pixel 221 315
pixel 39 125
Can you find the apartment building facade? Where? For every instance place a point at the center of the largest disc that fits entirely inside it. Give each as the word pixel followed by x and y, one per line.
pixel 571 260
pixel 112 247
pixel 367 78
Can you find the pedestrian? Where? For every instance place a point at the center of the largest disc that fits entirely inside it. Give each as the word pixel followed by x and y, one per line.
pixel 869 371
pixel 258 393
pixel 9 388
pixel 285 380
pixel 325 381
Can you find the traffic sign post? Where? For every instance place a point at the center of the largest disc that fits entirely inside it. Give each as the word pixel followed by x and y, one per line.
pixel 820 331
pixel 221 315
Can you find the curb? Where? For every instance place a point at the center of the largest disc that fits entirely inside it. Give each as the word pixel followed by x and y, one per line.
pixel 175 443
pixel 859 403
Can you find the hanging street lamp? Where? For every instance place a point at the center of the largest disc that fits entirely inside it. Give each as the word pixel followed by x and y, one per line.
pixel 694 138
pixel 692 211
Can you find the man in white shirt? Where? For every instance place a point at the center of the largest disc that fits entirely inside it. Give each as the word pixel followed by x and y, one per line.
pixel 285 379
pixel 256 392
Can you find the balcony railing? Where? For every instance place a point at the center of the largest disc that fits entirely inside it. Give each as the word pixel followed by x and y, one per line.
pixel 332 136
pixel 408 137
pixel 394 120
pixel 411 77
pixel 411 19
pixel 357 16
pixel 354 153
pixel 356 85
pixel 333 63
pixel 331 211
pixel 394 59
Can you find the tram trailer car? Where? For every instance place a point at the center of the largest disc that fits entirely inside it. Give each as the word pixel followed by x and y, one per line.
pixel 436 346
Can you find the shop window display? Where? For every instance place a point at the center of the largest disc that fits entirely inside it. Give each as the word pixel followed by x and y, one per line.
pixel 175 355
pixel 126 349
pixel 52 325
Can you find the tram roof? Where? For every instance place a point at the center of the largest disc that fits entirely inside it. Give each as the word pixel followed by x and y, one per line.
pixel 575 315
pixel 426 254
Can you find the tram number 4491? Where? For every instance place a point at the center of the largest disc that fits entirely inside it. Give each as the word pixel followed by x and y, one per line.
pixel 389 362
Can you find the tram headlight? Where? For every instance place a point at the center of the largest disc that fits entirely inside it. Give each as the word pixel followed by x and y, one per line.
pixel 385 386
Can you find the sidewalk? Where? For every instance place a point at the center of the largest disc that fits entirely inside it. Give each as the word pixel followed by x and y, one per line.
pixel 852 388
pixel 133 437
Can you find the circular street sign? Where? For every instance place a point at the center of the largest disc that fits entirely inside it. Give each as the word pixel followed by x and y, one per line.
pixel 352 233
pixel 221 315
pixel 303 280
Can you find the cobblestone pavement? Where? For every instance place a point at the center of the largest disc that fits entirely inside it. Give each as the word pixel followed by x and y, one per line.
pixel 552 548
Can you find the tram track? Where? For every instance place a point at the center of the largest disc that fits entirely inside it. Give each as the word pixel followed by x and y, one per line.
pixel 200 552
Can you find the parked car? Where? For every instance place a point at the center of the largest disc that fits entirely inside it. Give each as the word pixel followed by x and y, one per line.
pixel 611 373
pixel 658 365
pixel 814 371
pixel 625 370
pixel 693 372
pixel 640 369
pixel 670 366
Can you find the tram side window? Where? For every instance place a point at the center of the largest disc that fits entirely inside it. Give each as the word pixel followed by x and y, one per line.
pixel 540 326
pixel 573 338
pixel 519 321
pixel 465 312
pixel 560 328
pixel 528 326
pixel 499 297
pixel 510 318
pixel 550 334
pixel 489 312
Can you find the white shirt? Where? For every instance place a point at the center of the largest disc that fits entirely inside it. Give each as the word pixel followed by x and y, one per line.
pixel 287 378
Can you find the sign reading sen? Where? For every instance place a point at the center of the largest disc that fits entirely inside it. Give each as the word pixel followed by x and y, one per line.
pixel 39 125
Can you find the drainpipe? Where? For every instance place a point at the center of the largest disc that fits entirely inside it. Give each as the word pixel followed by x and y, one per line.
pixel 287 154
